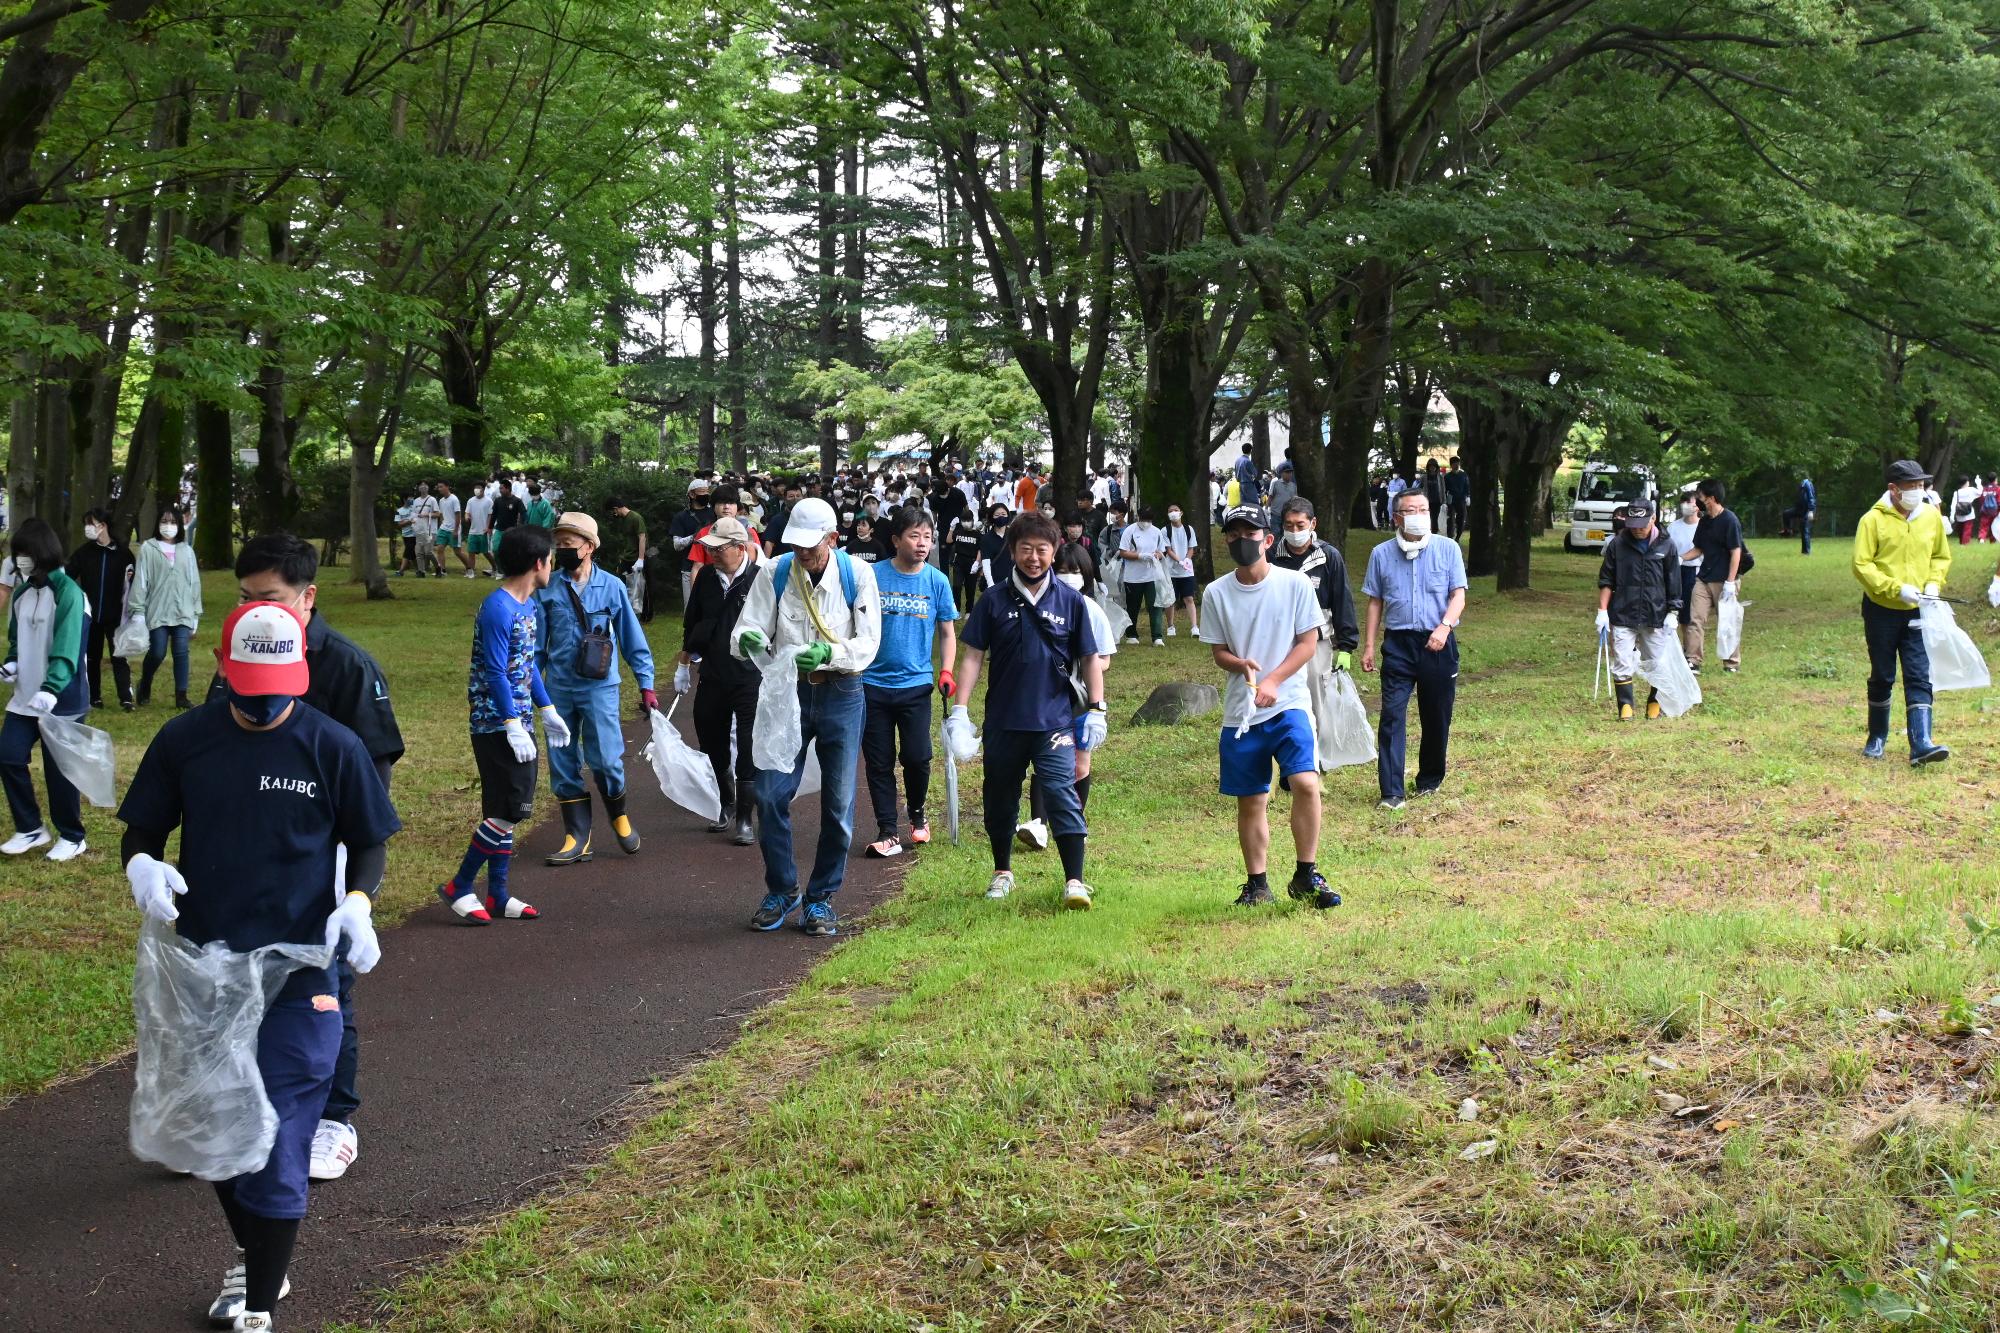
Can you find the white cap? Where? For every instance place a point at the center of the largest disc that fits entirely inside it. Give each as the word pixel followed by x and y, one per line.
pixel 810 521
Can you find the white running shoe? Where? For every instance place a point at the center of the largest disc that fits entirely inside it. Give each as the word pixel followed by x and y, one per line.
pixel 1076 896
pixel 25 842
pixel 472 573
pixel 1172 630
pixel 335 1146
pixel 1159 643
pixel 255 1323
pixel 1002 885
pixel 1033 834
pixel 227 1310
pixel 65 850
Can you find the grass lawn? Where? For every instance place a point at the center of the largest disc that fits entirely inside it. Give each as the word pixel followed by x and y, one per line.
pixel 1168 1114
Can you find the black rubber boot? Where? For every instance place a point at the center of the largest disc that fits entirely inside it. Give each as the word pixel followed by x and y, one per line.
pixel 1624 688
pixel 1878 730
pixel 576 832
pixel 746 806
pixel 621 826
pixel 1652 703
pixel 725 821
pixel 1923 750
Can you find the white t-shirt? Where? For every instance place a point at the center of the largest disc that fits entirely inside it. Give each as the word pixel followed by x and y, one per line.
pixel 1260 621
pixel 424 516
pixel 1180 550
pixel 1681 533
pixel 448 509
pixel 1147 541
pixel 478 515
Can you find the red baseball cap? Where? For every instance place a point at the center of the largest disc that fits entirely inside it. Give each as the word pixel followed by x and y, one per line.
pixel 264 650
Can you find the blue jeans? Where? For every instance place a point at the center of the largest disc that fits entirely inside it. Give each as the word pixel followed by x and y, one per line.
pixel 830 713
pixel 18 735
pixel 1892 634
pixel 596 740
pixel 158 641
pixel 1410 667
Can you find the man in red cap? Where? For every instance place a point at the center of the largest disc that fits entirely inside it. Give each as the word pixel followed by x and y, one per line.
pixel 263 788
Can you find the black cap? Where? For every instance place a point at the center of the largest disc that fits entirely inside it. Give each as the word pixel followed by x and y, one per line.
pixel 1252 514
pixel 1905 469
pixel 1638 514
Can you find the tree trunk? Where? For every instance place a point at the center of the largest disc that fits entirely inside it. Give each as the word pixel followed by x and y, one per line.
pixel 828 296
pixel 1530 445
pixel 277 500
pixel 1355 396
pixel 21 454
pixel 214 479
pixel 732 261
pixel 1937 442
pixel 854 272
pixel 460 377
pixel 1170 456
pixel 705 314
pixel 1478 451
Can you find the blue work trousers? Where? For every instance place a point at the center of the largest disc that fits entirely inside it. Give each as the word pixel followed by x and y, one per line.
pixel 595 740
pixel 830 713
pixel 1892 634
pixel 1408 666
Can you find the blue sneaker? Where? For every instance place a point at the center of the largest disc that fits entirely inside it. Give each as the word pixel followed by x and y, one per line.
pixel 771 913
pixel 820 920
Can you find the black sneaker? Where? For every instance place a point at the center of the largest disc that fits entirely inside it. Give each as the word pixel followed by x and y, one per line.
pixel 820 920
pixel 771 913
pixel 1314 889
pixel 1255 895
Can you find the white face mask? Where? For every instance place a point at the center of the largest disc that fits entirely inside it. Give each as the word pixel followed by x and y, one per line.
pixel 1416 526
pixel 1073 580
pixel 91 532
pixel 1173 516
pixel 26 564
pixel 1299 540
pixel 1910 499
pixel 1687 510
pixel 169 531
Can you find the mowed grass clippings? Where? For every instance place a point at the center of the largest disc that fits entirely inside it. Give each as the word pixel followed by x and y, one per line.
pixel 1671 1025
pixel 67 932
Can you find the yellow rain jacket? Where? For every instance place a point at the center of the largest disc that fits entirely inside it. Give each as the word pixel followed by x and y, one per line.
pixel 1891 550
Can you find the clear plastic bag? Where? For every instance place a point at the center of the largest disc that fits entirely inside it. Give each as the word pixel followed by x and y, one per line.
pixel 131 638
pixel 635 583
pixel 83 755
pixel 1668 672
pixel 1345 736
pixel 1114 611
pixel 1163 584
pixel 198 1102
pixel 1728 629
pixel 1956 662
pixel 687 778
pixel 775 746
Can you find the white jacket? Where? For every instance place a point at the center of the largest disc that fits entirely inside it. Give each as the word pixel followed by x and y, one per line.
pixel 857 629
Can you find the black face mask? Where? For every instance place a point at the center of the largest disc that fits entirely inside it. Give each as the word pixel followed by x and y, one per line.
pixel 1246 551
pixel 260 710
pixel 568 558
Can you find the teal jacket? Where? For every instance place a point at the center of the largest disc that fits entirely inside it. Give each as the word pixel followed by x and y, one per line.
pixel 65 640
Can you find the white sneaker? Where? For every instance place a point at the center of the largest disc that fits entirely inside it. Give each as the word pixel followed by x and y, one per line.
pixel 1076 896
pixel 227 1309
pixel 65 850
pixel 25 842
pixel 471 574
pixel 1172 630
pixel 1159 643
pixel 335 1146
pixel 1033 834
pixel 1002 885
pixel 254 1323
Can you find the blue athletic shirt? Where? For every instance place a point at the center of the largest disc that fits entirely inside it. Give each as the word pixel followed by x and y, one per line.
pixel 912 607
pixel 1027 685
pixel 504 676
pixel 260 813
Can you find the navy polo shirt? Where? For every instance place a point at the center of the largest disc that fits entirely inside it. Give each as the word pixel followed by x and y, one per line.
pixel 1027 667
pixel 260 813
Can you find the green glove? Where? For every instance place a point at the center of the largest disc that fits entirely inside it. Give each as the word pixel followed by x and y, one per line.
pixel 814 656
pixel 1343 661
pixel 751 641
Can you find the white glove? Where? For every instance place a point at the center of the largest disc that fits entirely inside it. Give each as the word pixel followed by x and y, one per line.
pixel 354 920
pixel 13 669
pixel 1729 592
pixel 1672 622
pixel 1993 592
pixel 1603 621
pixel 959 736
pixel 1095 728
pixel 555 728
pixel 43 702
pixel 1932 590
pixel 682 543
pixel 520 741
pixel 155 884
pixel 683 680
pixel 1908 592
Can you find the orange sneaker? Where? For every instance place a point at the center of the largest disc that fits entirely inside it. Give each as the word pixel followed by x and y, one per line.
pixel 920 830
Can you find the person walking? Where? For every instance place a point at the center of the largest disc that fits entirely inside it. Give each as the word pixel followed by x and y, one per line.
pixel 587 623
pixel 1681 533
pixel 265 789
pixel 1902 555
pixel 919 631
pixel 1718 539
pixel 450 525
pixel 478 531
pixel 1805 509
pixel 1036 632
pixel 1179 553
pixel 689 523
pixel 1139 552
pixel 504 690
pixel 1965 510
pixel 103 567
pixel 47 625
pixel 1074 568
pixel 1300 549
pixel 541 512
pixel 1638 604
pixel 819 614
pixel 1415 587
pixel 1284 488
pixel 425 519
pixel 1457 498
pixel 1262 625
pixel 509 511
pixel 166 595
pixel 725 698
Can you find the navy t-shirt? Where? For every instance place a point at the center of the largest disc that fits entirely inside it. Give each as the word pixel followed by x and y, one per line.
pixel 1027 676
pixel 1716 537
pixel 260 814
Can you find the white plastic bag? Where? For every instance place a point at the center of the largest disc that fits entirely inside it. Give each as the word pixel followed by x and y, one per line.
pixel 1728 629
pixel 1669 673
pixel 635 583
pixel 198 1102
pixel 83 755
pixel 809 781
pixel 1163 584
pixel 1114 610
pixel 1956 662
pixel 131 638
pixel 1345 737
pixel 687 778
pixel 775 746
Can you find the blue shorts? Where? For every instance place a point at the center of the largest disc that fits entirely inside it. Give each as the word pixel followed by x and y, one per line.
pixel 296 1049
pixel 1246 762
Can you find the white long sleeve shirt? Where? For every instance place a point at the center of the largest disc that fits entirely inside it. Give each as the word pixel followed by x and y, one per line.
pixel 856 630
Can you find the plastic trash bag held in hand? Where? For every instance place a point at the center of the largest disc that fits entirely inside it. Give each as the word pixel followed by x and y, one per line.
pixel 131 638
pixel 774 748
pixel 198 1102
pixel 1728 629
pixel 1163 583
pixel 1956 662
pixel 1672 677
pixel 83 754
pixel 1345 736
pixel 1114 611
pixel 686 776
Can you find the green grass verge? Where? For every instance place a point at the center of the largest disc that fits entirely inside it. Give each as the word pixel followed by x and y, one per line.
pixel 1166 1114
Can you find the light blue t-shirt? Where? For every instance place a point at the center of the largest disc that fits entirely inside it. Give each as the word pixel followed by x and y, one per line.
pixel 1415 591
pixel 912 607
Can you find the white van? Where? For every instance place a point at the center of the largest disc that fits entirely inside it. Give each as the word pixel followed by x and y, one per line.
pixel 1600 491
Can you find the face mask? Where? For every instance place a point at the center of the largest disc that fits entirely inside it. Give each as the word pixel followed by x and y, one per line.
pixel 91 532
pixel 1910 499
pixel 1299 540
pixel 1416 526
pixel 1072 580
pixel 568 558
pixel 260 710
pixel 1246 551
pixel 25 564
pixel 1173 516
pixel 169 531
pixel 1687 511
